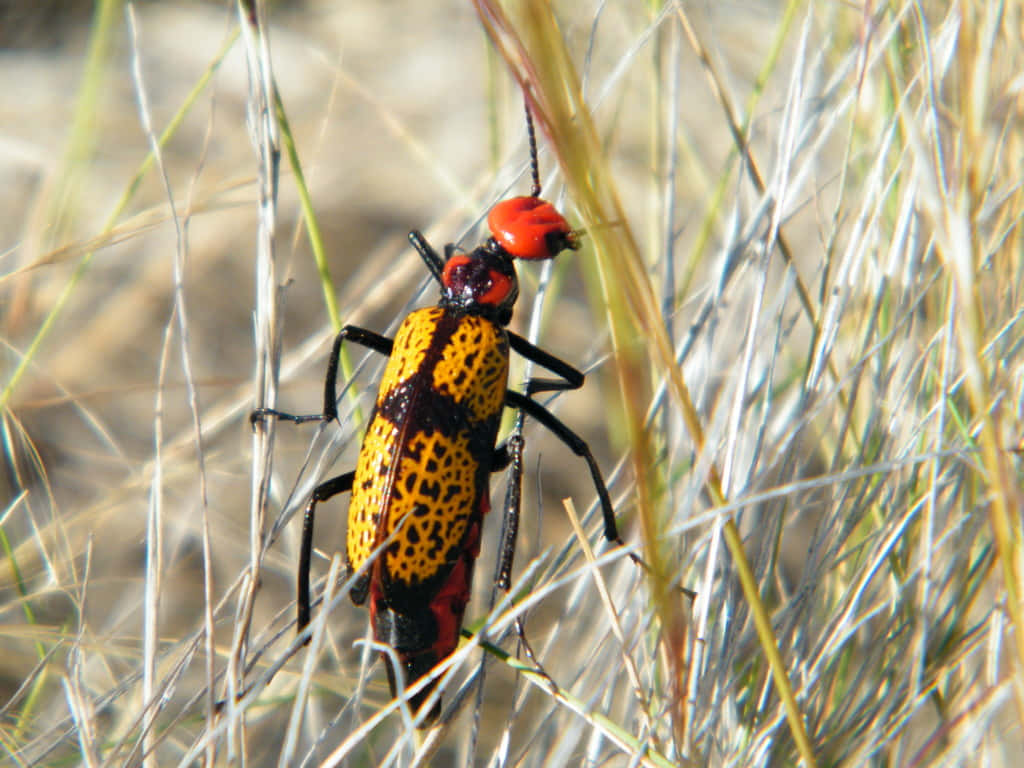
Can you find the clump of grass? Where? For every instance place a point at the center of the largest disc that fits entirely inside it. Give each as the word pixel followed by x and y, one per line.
pixel 797 305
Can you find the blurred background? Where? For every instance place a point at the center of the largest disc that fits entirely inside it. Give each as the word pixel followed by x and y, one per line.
pixel 839 289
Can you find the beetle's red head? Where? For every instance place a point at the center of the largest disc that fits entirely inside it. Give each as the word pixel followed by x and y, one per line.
pixel 530 228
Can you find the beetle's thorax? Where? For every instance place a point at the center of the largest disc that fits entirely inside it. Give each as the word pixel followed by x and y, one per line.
pixel 482 282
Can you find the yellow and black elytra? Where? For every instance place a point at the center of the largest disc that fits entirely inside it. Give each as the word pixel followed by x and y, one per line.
pixel 422 476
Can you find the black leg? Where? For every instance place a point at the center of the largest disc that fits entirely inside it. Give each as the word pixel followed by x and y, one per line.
pixel 502 458
pixel 570 378
pixel 324 491
pixel 353 333
pixel 513 501
pixel 336 485
pixel 577 445
pixel 426 251
pixel 260 414
pixel 361 336
pixel 513 451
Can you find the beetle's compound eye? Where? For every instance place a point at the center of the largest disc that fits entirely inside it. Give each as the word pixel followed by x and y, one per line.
pixel 480 278
pixel 530 228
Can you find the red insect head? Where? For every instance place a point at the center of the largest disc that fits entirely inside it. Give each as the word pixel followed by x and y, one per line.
pixel 530 228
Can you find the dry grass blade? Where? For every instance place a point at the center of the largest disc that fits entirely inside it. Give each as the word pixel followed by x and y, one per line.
pixel 797 305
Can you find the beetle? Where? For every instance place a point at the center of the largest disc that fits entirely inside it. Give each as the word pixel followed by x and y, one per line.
pixel 421 481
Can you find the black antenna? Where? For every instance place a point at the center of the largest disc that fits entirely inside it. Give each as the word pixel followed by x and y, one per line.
pixel 532 138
